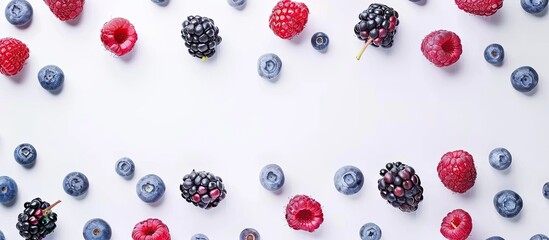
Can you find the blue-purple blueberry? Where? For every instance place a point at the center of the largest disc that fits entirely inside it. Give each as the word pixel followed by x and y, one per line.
pixel 8 190
pixel 249 233
pixel 495 238
pixel 238 4
pixel 508 203
pixel 150 188
pixel 160 2
pixel 545 190
pixel 348 180
pixel 524 79
pixel 370 231
pixel 320 41
pixel 269 66
pixel 500 158
pixel 2 236
pixel 18 12
pixel 124 167
pixel 533 6
pixel 539 237
pixel 272 177
pixel 199 236
pixel 494 54
pixel 25 154
pixel 76 184
pixel 97 229
pixel 51 77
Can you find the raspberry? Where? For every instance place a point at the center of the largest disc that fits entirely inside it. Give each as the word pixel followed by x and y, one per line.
pixel 13 54
pixel 442 47
pixel 65 9
pixel 457 171
pixel 118 36
pixel 288 18
pixel 480 7
pixel 304 213
pixel 151 229
pixel 457 225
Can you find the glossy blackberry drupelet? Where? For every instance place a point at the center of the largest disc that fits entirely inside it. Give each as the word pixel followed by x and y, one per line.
pixel 400 186
pixel 201 36
pixel 36 221
pixel 377 24
pixel 203 189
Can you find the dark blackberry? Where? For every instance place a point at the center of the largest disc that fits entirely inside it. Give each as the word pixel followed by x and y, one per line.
pixel 201 36
pixel 400 186
pixel 377 26
pixel 37 220
pixel 203 189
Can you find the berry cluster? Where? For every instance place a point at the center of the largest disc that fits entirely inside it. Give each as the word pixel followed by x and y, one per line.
pixel 37 220
pixel 203 189
pixel 400 186
pixel 201 36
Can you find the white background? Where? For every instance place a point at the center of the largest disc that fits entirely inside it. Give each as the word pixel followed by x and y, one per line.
pixel 171 113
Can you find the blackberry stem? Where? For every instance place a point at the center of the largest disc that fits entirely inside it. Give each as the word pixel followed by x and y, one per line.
pixel 204 59
pixel 47 211
pixel 370 40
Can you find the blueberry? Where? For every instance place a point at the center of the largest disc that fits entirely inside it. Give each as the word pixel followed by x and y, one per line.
pixel 51 77
pixel 320 41
pixel 348 180
pixel 249 234
pixel 268 66
pixel 272 177
pixel 76 184
pixel 160 2
pixel 370 231
pixel 97 229
pixel 533 6
pixel 2 236
pixel 150 188
pixel 524 79
pixel 500 158
pixel 508 203
pixel 546 190
pixel 18 12
pixel 238 4
pixel 494 54
pixel 124 167
pixel 495 238
pixel 539 237
pixel 8 190
pixel 199 236
pixel 25 154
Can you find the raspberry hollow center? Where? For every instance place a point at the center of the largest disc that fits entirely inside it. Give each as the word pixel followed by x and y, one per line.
pixel 448 46
pixel 455 223
pixel 149 231
pixel 304 215
pixel 120 35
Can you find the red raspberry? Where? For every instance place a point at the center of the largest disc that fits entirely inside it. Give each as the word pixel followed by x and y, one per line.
pixel 480 7
pixel 442 47
pixel 457 171
pixel 151 229
pixel 288 18
pixel 66 9
pixel 13 54
pixel 304 213
pixel 457 225
pixel 118 36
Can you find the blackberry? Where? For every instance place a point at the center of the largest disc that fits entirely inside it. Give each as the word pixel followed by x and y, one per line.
pixel 201 36
pixel 400 186
pixel 37 220
pixel 377 26
pixel 203 189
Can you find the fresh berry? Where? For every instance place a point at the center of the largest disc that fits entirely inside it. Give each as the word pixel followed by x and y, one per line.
pixel 76 184
pixel 18 12
pixel 370 231
pixel 202 189
pixel 272 177
pixel 539 237
pixel 2 236
pixel 494 54
pixel 118 36
pixel 199 236
pixel 269 66
pixel 161 2
pixel 457 225
pixel 249 234
pixel 304 213
pixel 51 77
pixel 151 229
pixel 442 47
pixel 377 26
pixel 533 6
pixel 508 203
pixel 238 4
pixel 288 18
pixel 13 54
pixel 320 41
pixel 37 220
pixel 65 9
pixel 124 167
pixel 8 190
pixel 97 229
pixel 545 190
pixel 201 36
pixel 500 158
pixel 457 171
pixel 25 154
pixel 495 238
pixel 524 79
pixel 480 7
pixel 150 188
pixel 348 180
pixel 400 186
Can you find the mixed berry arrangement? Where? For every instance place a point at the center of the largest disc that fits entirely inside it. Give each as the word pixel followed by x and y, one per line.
pixel 399 186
